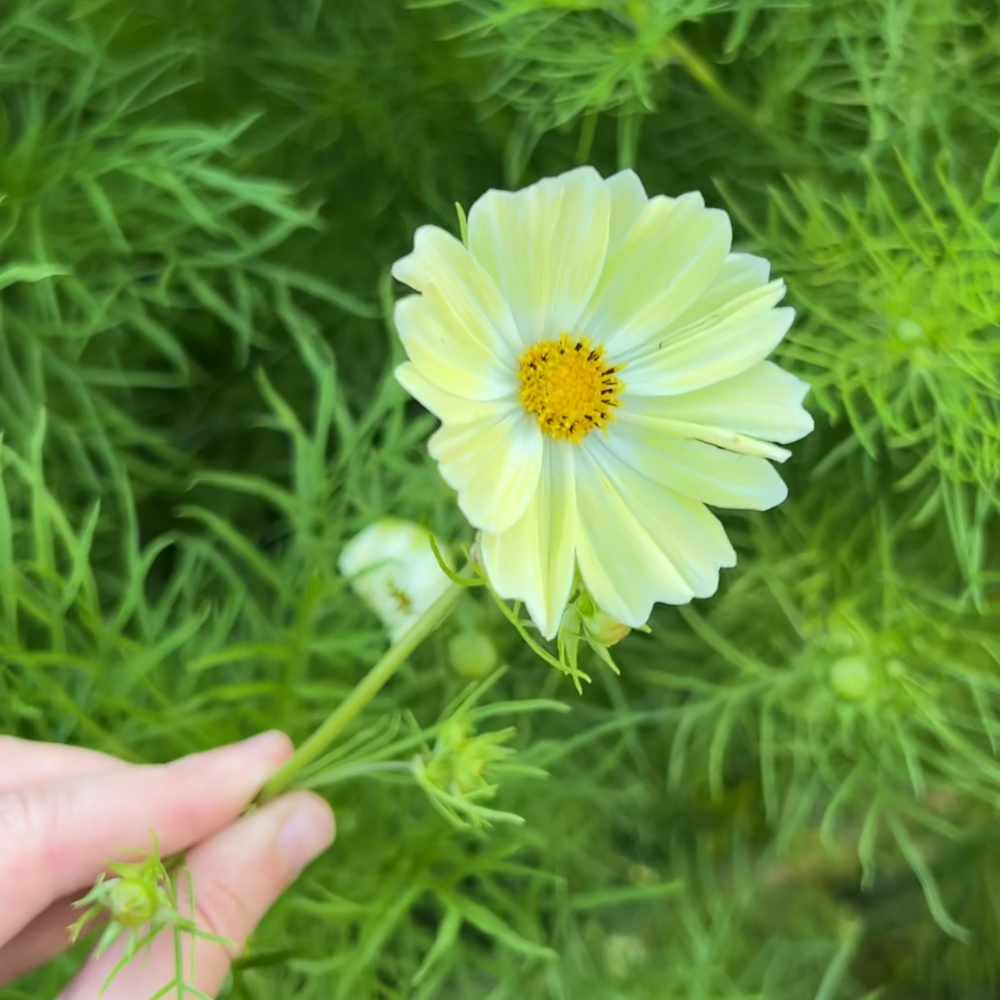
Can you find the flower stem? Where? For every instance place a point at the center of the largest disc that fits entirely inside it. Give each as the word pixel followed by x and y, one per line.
pixel 701 71
pixel 369 686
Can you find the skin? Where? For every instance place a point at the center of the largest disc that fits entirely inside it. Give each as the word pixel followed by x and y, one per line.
pixel 65 812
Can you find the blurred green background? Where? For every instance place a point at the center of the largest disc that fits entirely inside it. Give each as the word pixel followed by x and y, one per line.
pixel 790 793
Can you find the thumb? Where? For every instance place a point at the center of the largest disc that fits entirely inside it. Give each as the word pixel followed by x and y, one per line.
pixel 237 875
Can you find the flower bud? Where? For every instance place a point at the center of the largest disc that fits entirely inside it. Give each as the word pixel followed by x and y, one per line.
pixel 851 678
pixel 472 655
pixel 476 552
pixel 623 954
pixel 584 621
pixel 599 627
pixel 591 623
pixel 132 902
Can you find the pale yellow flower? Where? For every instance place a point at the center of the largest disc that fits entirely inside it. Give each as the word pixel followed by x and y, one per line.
pixel 392 568
pixel 596 358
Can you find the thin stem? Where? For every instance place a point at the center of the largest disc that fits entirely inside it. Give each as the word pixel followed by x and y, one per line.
pixel 348 771
pixel 701 71
pixel 369 686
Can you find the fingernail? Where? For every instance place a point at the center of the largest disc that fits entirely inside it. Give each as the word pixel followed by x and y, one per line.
pixel 307 832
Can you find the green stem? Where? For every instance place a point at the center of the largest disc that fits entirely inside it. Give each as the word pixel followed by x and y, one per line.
pixel 701 71
pixel 369 686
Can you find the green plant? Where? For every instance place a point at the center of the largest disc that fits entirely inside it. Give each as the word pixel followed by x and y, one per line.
pixel 789 790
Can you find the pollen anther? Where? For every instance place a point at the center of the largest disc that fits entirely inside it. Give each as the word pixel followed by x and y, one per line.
pixel 569 386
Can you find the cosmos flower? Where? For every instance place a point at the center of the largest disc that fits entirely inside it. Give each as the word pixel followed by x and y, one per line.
pixel 596 358
pixel 392 568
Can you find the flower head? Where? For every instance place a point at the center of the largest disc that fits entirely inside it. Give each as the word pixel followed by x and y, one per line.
pixel 596 358
pixel 393 569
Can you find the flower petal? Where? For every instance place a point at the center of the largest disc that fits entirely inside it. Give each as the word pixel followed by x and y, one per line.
pixel 664 263
pixel 447 353
pixel 740 273
pixel 765 401
pixel 494 464
pixel 715 347
pixel 532 561
pixel 440 261
pixel 628 199
pixel 446 406
pixel 721 438
pixel 701 471
pixel 544 246
pixel 640 543
pixel 392 568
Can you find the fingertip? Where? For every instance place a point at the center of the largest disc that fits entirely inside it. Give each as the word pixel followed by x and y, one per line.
pixel 308 829
pixel 271 741
pixel 254 759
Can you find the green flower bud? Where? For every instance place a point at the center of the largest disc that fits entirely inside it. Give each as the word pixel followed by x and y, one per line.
pixel 472 655
pixel 623 954
pixel 909 329
pixel 132 902
pixel 600 628
pixel 851 678
pixel 584 621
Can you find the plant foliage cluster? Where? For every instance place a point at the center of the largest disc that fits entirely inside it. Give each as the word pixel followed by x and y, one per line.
pixel 791 790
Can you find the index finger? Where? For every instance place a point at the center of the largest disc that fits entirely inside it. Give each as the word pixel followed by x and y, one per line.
pixel 57 837
pixel 24 763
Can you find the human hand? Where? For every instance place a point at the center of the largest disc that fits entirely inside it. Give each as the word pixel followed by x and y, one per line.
pixel 65 812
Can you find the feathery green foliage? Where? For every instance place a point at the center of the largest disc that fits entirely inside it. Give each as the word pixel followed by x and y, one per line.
pixel 790 790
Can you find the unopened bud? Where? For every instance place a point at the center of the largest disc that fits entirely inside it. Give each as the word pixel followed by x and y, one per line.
pixel 600 627
pixel 476 552
pixel 623 954
pixel 132 902
pixel 472 655
pixel 851 678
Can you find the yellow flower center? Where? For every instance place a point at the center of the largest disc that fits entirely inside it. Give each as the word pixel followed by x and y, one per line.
pixel 569 386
